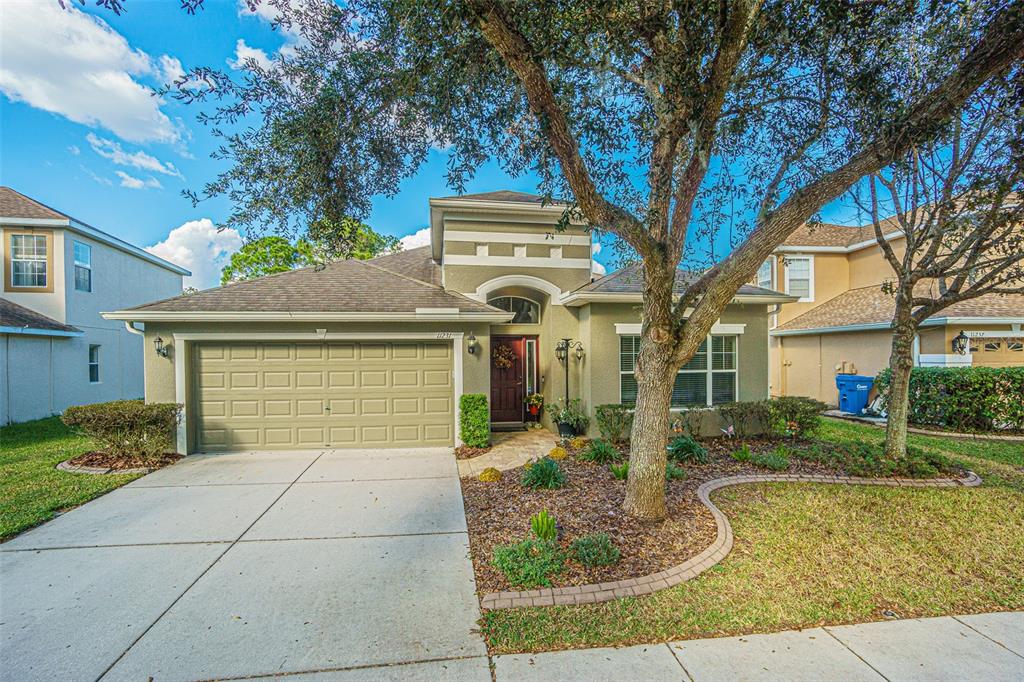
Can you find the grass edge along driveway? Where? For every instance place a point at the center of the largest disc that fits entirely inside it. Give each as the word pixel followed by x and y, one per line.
pixel 31 489
pixel 808 555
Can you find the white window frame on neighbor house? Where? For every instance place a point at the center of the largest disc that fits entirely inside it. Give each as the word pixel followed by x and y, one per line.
pixel 94 363
pixel 708 370
pixel 810 275
pixel 82 264
pixel 771 274
pixel 34 257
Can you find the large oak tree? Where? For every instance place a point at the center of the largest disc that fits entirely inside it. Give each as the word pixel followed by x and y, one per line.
pixel 662 122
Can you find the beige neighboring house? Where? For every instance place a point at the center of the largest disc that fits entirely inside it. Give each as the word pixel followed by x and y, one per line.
pixel 840 322
pixel 378 353
pixel 58 274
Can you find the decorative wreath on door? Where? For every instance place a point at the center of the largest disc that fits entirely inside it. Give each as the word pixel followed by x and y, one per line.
pixel 503 356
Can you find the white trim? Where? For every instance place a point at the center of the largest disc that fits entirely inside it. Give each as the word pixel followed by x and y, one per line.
pixel 994 334
pixel 282 316
pixel 578 298
pixel 33 331
pixel 708 371
pixel 850 248
pixel 457 339
pixel 481 250
pixel 477 204
pixel 38 222
pixel 519 250
pixel 551 238
pixel 527 262
pixel 810 275
pixel 543 285
pixel 872 326
pixel 434 312
pixel 719 329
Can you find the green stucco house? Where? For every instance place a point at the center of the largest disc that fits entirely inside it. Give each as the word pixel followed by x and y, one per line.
pixel 377 353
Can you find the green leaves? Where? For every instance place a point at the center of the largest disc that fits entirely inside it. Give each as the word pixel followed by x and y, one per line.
pixel 474 420
pixel 964 398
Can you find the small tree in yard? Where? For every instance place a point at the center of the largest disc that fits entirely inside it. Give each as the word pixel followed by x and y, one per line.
pixel 659 123
pixel 959 210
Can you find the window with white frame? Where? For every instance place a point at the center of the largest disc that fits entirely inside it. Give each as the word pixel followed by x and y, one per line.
pixel 800 277
pixel 526 311
pixel 94 364
pixel 701 382
pixel 764 275
pixel 28 260
pixel 83 266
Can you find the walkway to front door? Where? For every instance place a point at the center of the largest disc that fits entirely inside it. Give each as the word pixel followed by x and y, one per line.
pixel 511 449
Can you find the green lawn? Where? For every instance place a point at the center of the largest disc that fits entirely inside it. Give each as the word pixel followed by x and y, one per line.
pixel 31 489
pixel 807 555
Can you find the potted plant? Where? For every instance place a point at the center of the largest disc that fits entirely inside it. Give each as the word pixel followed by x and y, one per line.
pixel 534 403
pixel 571 418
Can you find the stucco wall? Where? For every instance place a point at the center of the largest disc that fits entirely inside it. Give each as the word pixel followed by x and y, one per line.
pixel 809 361
pixel 831 277
pixel 466 278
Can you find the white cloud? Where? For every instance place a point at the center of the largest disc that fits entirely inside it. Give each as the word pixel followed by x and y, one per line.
pixel 132 182
pixel 73 64
pixel 109 149
pixel 102 181
pixel 243 53
pixel 74 150
pixel 170 69
pixel 595 267
pixel 416 239
pixel 200 247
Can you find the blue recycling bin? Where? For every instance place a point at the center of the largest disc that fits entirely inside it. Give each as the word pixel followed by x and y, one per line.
pixel 854 390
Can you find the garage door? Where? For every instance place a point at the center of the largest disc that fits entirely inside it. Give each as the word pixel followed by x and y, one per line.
pixel 306 395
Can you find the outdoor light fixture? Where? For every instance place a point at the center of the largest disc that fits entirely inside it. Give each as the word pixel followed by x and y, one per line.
pixel 471 343
pixel 562 349
pixel 161 349
pixel 961 343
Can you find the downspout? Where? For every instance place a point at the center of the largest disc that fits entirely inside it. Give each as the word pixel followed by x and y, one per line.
pixel 915 350
pixel 772 311
pixel 130 327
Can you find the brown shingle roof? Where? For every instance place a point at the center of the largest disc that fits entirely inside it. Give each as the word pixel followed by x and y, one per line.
pixel 629 280
pixel 503 195
pixel 830 234
pixel 14 315
pixel 416 263
pixel 871 305
pixel 349 286
pixel 14 204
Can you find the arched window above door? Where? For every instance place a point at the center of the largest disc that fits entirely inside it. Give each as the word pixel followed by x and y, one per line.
pixel 526 311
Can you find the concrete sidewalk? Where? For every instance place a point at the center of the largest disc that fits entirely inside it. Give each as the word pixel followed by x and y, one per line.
pixel 982 647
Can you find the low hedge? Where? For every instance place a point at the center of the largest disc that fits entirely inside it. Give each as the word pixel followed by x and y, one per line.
pixel 474 420
pixel 964 398
pixel 127 428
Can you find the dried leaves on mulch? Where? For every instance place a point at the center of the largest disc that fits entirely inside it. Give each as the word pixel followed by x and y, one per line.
pixel 468 451
pixel 101 460
pixel 499 514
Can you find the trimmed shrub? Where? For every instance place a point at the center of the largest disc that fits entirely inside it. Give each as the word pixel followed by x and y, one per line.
pixel 964 398
pixel 747 418
pixel 614 421
pixel 490 475
pixel 619 471
pixel 558 452
pixel 859 458
pixel 599 452
pixel 529 563
pixel 795 416
pixel 686 450
pixel 127 428
pixel 595 549
pixel 474 420
pixel 543 526
pixel 543 473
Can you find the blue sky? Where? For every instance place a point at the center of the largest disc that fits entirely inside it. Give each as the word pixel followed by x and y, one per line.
pixel 79 130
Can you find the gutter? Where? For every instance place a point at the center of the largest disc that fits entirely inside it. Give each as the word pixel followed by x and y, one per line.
pixel 578 299
pixel 872 326
pixel 33 331
pixel 421 315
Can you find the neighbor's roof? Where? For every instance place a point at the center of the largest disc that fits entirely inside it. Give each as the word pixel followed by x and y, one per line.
pixel 629 282
pixel 349 289
pixel 872 307
pixel 17 319
pixel 19 210
pixel 416 263
pixel 839 237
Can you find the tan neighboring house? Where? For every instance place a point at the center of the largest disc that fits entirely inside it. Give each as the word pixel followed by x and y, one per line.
pixel 58 274
pixel 378 353
pixel 840 322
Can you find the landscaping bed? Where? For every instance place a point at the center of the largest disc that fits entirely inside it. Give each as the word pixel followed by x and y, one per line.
pixel 469 452
pixel 99 459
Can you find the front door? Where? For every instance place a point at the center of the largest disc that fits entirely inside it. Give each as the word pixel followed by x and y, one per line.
pixel 508 378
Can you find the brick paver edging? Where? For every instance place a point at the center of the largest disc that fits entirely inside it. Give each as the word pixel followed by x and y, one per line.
pixel 75 469
pixel 691 568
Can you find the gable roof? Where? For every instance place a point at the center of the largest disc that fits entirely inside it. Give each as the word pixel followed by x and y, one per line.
pixel 349 289
pixel 838 238
pixel 502 195
pixel 628 282
pixel 14 204
pixel 870 307
pixel 416 263
pixel 17 319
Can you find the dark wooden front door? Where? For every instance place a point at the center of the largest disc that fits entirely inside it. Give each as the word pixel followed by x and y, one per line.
pixel 508 386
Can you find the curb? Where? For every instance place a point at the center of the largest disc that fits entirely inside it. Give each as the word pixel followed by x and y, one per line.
pixel 691 568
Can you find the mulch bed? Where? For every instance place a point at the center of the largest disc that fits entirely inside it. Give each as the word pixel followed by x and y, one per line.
pixel 591 502
pixel 468 451
pixel 103 460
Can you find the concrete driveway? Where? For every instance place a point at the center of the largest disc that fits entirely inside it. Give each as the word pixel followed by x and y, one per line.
pixel 338 563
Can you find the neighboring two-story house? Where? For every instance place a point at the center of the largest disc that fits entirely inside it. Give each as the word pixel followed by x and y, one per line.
pixel 58 275
pixel 840 322
pixel 377 353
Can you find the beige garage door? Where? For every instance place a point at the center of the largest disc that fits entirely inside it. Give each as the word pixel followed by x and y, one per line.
pixel 311 395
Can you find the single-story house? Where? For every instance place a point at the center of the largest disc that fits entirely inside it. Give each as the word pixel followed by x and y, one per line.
pixel 377 353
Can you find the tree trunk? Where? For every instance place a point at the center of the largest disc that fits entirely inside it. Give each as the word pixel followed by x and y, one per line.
pixel 901 362
pixel 645 488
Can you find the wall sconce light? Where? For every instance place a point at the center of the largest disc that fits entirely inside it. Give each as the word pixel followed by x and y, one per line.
pixel 961 343
pixel 161 349
pixel 471 343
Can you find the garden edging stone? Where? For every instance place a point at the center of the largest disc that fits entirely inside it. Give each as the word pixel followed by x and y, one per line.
pixel 74 469
pixel 712 555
